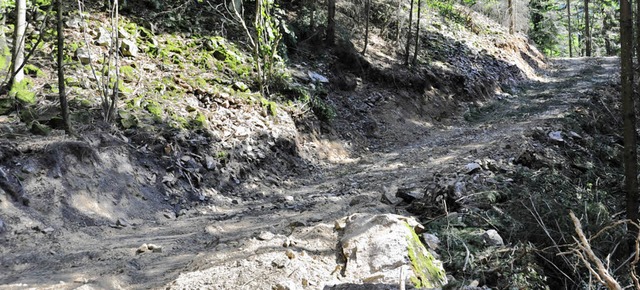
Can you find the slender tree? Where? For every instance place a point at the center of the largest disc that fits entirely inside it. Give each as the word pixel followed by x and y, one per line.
pixel 637 31
pixel 512 16
pixel 415 52
pixel 367 7
pixel 569 28
pixel 587 29
pixel 331 22
pixel 630 156
pixel 18 41
pixel 5 53
pixel 64 108
pixel 408 45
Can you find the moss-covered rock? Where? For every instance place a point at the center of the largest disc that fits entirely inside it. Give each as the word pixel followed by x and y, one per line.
pixel 23 91
pixel 33 71
pixel 427 270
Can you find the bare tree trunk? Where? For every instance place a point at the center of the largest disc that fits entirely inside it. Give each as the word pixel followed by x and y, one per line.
pixel 408 46
pixel 638 31
pixel 630 155
pixel 18 43
pixel 569 28
pixel 400 21
pixel 64 107
pixel 512 16
pixel 367 7
pixel 415 52
pixel 331 22
pixel 5 53
pixel 587 29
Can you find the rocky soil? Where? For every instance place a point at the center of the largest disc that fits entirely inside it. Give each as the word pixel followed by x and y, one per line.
pixel 95 220
pixel 203 183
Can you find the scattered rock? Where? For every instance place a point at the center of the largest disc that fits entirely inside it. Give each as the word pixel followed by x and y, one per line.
pixel 279 263
pixel 290 254
pixel 40 129
pixel 170 215
pixel 74 22
pixel 556 136
pixel 104 37
pixel 265 236
pixel 472 168
pixel 360 199
pixel 316 77
pixel 574 135
pixel 433 242
pixel 29 167
pixel 154 248
pixel 492 238
pixel 149 247
pixel 83 55
pixel 128 48
pixel 240 86
pixel 389 198
pixel 287 285
pixel 142 249
pixel 122 223
pixel 410 194
pixel 210 162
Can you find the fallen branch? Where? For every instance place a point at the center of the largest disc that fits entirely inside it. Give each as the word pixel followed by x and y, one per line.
pixel 602 273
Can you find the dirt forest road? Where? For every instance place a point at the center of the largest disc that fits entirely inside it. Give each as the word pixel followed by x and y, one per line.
pixel 88 255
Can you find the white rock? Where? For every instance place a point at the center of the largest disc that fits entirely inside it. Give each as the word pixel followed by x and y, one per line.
pixel 492 238
pixel 316 77
pixel 378 245
pixel 556 136
pixel 128 48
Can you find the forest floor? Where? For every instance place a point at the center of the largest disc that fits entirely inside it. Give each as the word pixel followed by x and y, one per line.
pixel 215 244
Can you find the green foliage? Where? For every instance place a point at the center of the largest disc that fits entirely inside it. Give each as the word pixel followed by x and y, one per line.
pixel 269 106
pixel 5 57
pixel 543 29
pixel 128 73
pixel 33 71
pixel 323 110
pixel 446 9
pixel 200 120
pixel 155 110
pixel 268 26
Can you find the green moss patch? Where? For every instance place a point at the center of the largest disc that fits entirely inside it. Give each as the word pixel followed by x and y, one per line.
pixel 23 92
pixel 428 274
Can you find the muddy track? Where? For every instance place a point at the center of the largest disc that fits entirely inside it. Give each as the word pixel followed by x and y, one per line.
pixel 103 256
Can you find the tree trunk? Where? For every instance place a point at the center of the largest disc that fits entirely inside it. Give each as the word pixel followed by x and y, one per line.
pixel 400 21
pixel 630 155
pixel 367 7
pixel 587 29
pixel 64 108
pixel 5 52
pixel 638 31
pixel 569 28
pixel 408 45
pixel 331 22
pixel 512 16
pixel 415 52
pixel 18 43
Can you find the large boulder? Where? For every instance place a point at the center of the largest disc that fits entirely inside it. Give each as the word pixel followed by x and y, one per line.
pixel 373 252
pixel 379 248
